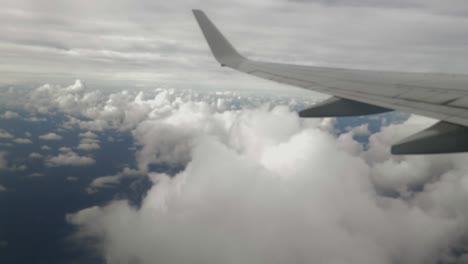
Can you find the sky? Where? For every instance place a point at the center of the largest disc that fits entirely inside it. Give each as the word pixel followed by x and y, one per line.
pixel 156 42
pixel 123 141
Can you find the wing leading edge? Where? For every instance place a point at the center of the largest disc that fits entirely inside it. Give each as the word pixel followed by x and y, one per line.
pixel 361 92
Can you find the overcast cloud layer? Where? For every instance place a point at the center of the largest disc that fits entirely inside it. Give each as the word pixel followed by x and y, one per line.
pixel 158 43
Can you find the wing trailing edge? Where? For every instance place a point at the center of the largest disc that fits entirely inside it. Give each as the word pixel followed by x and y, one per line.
pixel 443 137
pixel 335 106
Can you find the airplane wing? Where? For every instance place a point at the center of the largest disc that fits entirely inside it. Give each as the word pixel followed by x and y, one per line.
pixel 361 92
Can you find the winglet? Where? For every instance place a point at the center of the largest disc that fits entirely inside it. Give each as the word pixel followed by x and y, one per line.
pixel 223 51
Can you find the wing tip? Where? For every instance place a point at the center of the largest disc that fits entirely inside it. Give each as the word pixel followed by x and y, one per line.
pixel 197 12
pixel 221 48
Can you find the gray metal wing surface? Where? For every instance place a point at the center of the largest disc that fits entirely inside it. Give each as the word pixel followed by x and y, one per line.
pixel 359 92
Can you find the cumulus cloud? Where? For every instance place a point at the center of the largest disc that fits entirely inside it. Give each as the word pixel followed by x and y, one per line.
pixel 50 136
pixel 18 167
pixel 9 115
pixel 112 180
pixel 361 130
pixel 6 135
pixel 22 141
pixel 98 110
pixel 69 159
pixel 252 175
pixel 65 149
pixel 88 146
pixel 72 179
pixel 89 141
pixel 257 185
pixel 88 134
pixel 36 174
pixel 258 190
pixel 35 155
pixel 45 147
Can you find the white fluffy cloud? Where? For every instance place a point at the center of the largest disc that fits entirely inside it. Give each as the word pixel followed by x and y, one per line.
pixel 112 180
pixel 35 155
pixel 4 134
pixel 88 146
pixel 260 185
pixel 97 110
pixel 9 115
pixel 361 130
pixel 88 134
pixel 89 141
pixel 275 189
pixel 50 136
pixel 69 159
pixel 35 119
pixel 45 147
pixel 65 149
pixel 22 141
pixel 36 174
